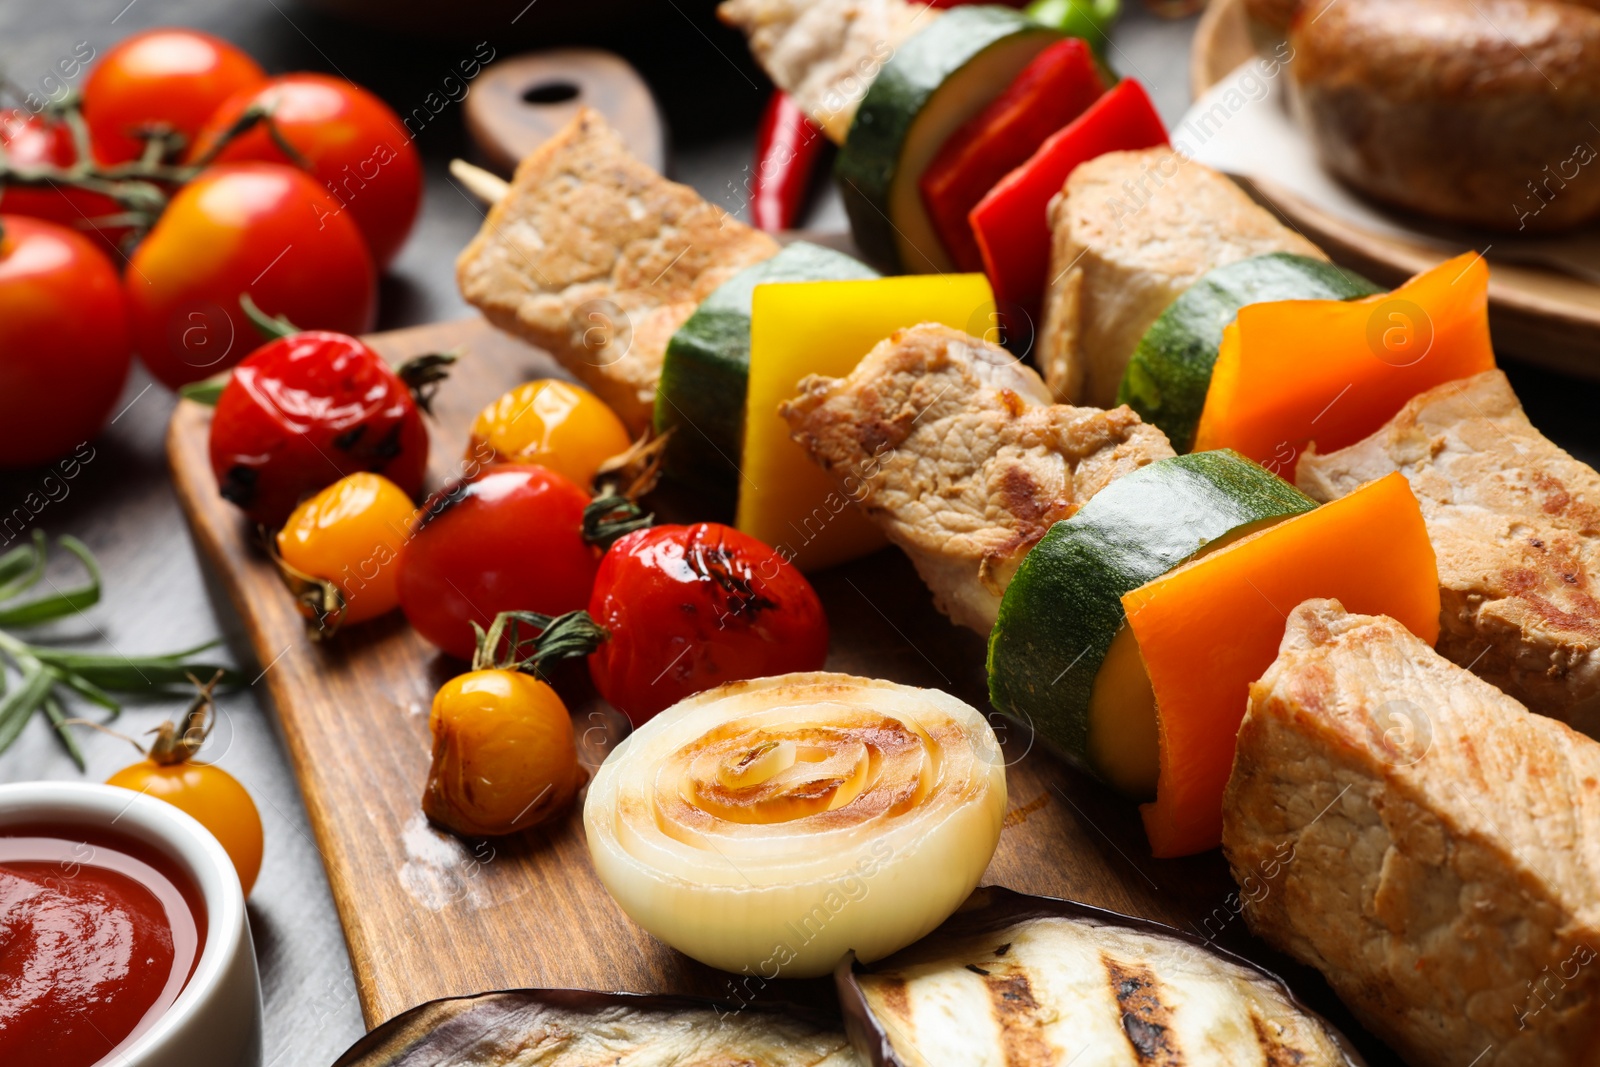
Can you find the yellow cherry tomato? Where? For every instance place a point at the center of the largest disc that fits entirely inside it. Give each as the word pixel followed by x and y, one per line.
pixel 350 534
pixel 551 423
pixel 215 799
pixel 503 754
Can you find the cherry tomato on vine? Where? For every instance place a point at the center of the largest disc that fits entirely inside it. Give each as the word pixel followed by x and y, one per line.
pixel 257 228
pixel 305 410
pixel 350 534
pixel 215 799
pixel 551 423
pixel 64 352
pixel 351 142
pixel 692 607
pixel 35 140
pixel 170 77
pixel 510 539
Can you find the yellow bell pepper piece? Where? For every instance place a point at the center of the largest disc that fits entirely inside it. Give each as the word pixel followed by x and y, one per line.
pixel 801 328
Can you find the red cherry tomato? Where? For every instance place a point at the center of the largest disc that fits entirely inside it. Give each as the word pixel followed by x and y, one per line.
pixel 32 141
pixel 510 539
pixel 168 76
pixel 351 141
pixel 260 228
pixel 302 412
pixel 64 350
pixel 692 607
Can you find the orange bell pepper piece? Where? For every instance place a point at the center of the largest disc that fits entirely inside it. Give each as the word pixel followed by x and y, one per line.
pixel 1211 628
pixel 1293 372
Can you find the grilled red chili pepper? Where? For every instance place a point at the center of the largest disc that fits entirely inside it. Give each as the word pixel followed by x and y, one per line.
pixel 1050 92
pixel 1010 222
pixel 787 146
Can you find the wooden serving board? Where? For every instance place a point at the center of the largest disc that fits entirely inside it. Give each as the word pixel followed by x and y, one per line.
pixel 1538 314
pixel 429 915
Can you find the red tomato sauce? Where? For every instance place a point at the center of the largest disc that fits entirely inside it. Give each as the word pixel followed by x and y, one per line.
pixel 98 936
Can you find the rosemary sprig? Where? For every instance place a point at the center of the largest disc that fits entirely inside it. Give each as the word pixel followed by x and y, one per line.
pixel 47 674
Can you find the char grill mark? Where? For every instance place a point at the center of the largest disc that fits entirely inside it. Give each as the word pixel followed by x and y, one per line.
pixel 1019 1018
pixel 1146 1019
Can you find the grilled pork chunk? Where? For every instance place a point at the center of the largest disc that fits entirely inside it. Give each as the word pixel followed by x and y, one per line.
pixel 1132 231
pixel 1422 840
pixel 598 259
pixel 825 53
pixel 1515 522
pixel 955 451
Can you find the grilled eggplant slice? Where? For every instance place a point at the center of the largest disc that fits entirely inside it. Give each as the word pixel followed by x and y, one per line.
pixel 1014 979
pixel 580 1028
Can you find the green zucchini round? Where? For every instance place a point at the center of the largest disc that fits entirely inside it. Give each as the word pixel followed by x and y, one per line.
pixel 937 80
pixel 706 370
pixel 1062 613
pixel 1167 378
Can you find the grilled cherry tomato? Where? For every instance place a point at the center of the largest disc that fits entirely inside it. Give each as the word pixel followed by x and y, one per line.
pixel 257 228
pixel 349 140
pixel 33 141
pixel 210 794
pixel 551 423
pixel 167 77
pixel 304 411
pixel 63 340
pixel 503 754
pixel 350 534
pixel 510 539
pixel 692 607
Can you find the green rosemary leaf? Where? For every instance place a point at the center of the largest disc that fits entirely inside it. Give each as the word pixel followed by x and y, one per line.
pixel 58 719
pixel 59 604
pixel 21 702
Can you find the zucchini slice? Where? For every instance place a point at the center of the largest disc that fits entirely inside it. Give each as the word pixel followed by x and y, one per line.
pixel 1169 373
pixel 706 369
pixel 936 81
pixel 1061 656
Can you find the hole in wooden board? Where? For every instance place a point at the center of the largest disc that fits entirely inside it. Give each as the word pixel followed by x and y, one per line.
pixel 552 92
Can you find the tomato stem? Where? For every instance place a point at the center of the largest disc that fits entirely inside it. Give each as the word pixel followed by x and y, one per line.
pixel 180 741
pixel 255 115
pixel 609 517
pixel 320 601
pixel 422 375
pixel 206 391
pixel 271 327
pixel 555 638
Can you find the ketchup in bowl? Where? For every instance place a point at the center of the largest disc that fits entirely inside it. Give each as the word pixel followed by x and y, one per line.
pixel 98 935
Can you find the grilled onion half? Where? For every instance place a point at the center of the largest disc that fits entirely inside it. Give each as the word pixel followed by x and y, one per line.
pixel 769 827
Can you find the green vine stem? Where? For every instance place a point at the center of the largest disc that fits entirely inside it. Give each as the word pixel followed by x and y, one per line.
pixel 609 517
pixel 422 375
pixel 141 187
pixel 271 327
pixel 554 638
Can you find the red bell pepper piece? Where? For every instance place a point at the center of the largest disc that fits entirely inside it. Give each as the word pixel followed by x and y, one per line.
pixel 1011 222
pixel 1050 92
pixel 787 145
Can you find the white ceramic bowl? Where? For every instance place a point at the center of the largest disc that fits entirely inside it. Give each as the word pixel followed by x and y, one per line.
pixel 216 1020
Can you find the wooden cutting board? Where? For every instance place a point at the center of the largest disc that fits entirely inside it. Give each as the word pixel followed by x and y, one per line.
pixel 429 915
